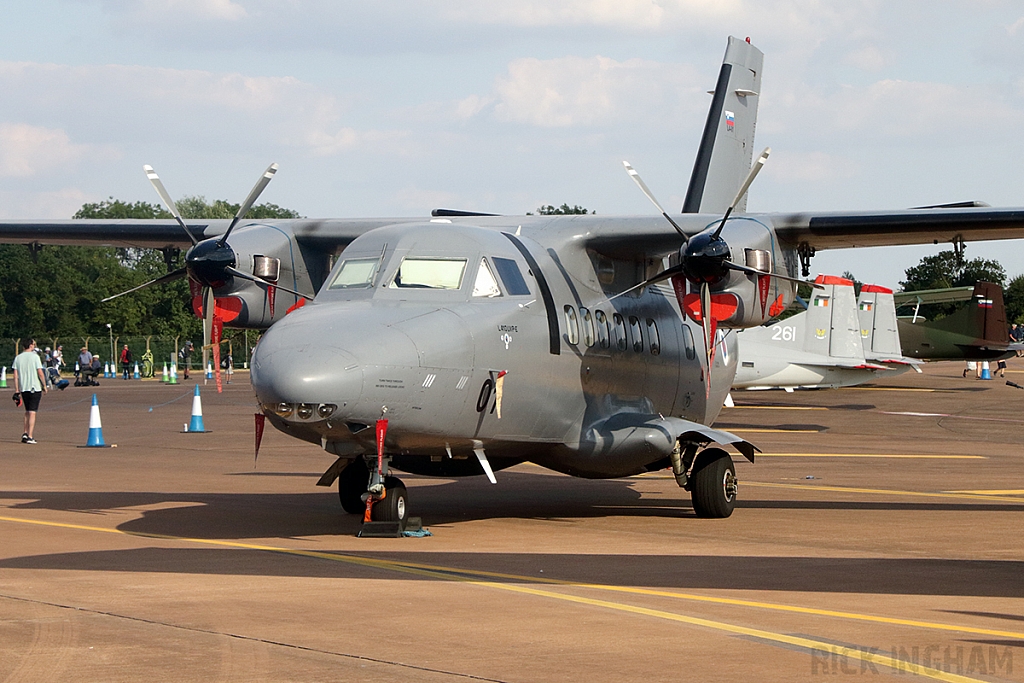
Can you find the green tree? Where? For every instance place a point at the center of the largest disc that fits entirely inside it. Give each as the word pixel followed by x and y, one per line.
pixel 942 270
pixel 563 210
pixel 1013 297
pixel 57 290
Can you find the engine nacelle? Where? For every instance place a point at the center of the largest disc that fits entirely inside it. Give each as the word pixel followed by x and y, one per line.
pixel 270 253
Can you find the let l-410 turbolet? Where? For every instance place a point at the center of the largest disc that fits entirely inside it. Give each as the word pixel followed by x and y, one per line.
pixel 484 348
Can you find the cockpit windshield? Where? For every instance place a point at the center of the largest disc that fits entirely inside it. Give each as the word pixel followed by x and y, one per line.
pixel 353 273
pixel 430 273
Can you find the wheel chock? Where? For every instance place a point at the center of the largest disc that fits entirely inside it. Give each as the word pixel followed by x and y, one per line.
pixel 380 530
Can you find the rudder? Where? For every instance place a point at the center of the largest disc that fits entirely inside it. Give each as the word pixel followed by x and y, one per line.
pixel 727 145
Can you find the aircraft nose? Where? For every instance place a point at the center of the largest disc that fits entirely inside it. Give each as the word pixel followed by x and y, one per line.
pixel 294 364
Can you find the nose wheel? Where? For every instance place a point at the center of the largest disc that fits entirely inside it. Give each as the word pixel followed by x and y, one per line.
pixel 393 508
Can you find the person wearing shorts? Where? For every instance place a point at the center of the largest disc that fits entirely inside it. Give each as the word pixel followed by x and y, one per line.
pixel 30 385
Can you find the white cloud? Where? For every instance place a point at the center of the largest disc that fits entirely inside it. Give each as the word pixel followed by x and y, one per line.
pixel 868 58
pixel 141 103
pixel 585 91
pixel 221 10
pixel 27 150
pixel 810 167
pixel 56 204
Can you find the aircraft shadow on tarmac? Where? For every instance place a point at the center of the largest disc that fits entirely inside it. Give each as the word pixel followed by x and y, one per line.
pixel 518 495
pixel 897 576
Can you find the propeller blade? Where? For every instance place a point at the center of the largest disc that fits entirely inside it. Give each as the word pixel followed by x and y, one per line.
pixel 650 195
pixel 663 275
pixel 754 170
pixel 169 277
pixel 252 278
pixel 160 190
pixel 208 306
pixel 254 194
pixel 755 271
pixel 706 323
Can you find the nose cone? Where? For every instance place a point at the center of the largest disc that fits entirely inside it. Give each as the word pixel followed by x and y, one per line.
pixel 302 359
pixel 319 353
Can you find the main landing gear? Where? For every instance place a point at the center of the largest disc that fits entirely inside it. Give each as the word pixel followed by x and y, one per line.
pixel 389 499
pixel 710 477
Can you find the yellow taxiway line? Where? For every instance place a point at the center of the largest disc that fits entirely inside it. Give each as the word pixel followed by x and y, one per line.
pixel 884 492
pixel 753 407
pixel 486 579
pixel 760 430
pixel 993 492
pixel 870 455
pixel 894 389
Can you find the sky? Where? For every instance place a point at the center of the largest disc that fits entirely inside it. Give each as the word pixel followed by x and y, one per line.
pixel 395 108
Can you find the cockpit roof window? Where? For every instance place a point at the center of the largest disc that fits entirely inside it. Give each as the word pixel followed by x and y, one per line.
pixel 485 284
pixel 430 273
pixel 508 271
pixel 356 272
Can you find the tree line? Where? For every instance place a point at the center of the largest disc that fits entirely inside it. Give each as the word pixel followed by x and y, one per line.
pixel 46 291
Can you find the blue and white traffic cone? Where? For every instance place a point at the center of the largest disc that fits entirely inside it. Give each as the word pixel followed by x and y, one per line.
pixel 174 374
pixel 209 370
pixel 135 375
pixel 106 370
pixel 95 426
pixel 196 424
pixel 985 372
pixel 165 378
pixel 3 378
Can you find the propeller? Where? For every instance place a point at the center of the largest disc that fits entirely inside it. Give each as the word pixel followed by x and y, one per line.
pixel 209 263
pixel 704 261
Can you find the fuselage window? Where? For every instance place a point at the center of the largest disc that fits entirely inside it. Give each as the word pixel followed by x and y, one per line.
pixel 652 335
pixel 620 332
pixel 430 273
pixel 572 325
pixel 688 347
pixel 508 271
pixel 603 333
pixel 356 272
pixel 636 333
pixel 588 326
pixel 485 284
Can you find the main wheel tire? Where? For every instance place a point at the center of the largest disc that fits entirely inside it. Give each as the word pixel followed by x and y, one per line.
pixel 352 483
pixel 394 507
pixel 714 484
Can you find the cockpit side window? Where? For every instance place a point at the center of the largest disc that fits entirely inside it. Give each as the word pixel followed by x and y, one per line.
pixel 508 271
pixel 353 273
pixel 430 273
pixel 485 284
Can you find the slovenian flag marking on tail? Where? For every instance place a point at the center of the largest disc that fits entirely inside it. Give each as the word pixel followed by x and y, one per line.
pixel 730 120
pixel 984 303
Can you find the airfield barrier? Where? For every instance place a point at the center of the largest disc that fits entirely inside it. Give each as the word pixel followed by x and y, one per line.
pixel 236 344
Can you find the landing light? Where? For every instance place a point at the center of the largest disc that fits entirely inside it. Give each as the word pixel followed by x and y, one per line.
pixel 325 410
pixel 283 409
pixel 305 410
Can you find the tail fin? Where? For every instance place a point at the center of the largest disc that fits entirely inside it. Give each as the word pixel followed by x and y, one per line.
pixel 988 297
pixel 727 146
pixel 878 323
pixel 832 328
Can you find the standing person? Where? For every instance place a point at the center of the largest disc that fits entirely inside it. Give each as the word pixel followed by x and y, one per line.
pixel 186 357
pixel 58 357
pixel 126 361
pixel 30 383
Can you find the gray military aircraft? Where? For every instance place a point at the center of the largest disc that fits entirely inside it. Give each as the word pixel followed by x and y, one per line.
pixel 597 346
